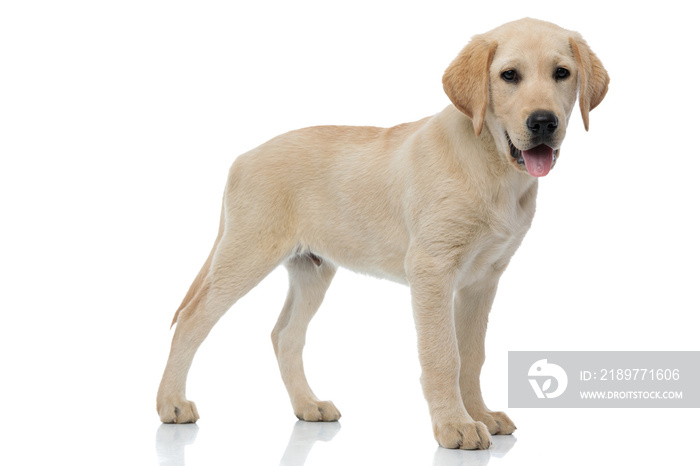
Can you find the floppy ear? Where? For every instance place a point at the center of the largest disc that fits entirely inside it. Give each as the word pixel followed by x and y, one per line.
pixel 466 80
pixel 593 79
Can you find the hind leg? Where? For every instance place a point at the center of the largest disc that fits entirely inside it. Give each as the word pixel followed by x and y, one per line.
pixel 236 268
pixel 309 278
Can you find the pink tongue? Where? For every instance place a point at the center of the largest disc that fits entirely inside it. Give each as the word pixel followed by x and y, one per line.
pixel 538 160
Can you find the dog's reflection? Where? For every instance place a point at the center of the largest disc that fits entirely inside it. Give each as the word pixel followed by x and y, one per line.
pixel 304 436
pixel 171 440
pixel 501 445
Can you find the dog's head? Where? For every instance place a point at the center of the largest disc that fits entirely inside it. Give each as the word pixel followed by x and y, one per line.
pixel 521 80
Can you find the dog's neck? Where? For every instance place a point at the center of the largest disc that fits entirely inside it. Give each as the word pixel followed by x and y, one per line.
pixel 481 159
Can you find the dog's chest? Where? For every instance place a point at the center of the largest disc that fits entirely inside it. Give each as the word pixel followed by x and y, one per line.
pixel 508 222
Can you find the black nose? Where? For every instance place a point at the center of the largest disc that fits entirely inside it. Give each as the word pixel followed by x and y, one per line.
pixel 542 122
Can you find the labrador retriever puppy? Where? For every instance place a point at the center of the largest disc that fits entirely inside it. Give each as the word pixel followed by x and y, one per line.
pixel 440 204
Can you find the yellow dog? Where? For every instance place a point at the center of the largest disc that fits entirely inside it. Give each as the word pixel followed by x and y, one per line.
pixel 440 204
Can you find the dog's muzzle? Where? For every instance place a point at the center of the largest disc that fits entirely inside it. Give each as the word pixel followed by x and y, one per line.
pixel 540 157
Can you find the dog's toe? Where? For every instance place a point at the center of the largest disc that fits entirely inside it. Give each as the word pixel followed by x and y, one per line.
pixel 497 422
pixel 465 436
pixel 178 412
pixel 318 411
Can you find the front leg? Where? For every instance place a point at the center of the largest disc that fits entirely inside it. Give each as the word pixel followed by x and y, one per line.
pixel 471 307
pixel 432 287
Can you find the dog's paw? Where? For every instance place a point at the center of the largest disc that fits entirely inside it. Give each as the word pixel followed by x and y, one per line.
pixel 497 422
pixel 316 411
pixel 177 412
pixel 463 435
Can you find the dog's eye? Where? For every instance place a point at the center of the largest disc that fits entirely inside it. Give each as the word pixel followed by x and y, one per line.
pixel 561 73
pixel 509 75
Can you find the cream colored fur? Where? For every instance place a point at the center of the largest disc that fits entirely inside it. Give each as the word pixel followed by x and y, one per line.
pixel 438 204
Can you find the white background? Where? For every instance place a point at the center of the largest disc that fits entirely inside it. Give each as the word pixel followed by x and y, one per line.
pixel 118 122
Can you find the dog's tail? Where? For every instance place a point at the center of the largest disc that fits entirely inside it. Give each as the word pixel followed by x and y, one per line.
pixel 198 288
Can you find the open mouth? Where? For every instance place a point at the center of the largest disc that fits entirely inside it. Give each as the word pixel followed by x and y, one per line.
pixel 538 160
